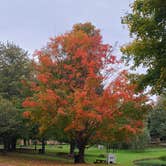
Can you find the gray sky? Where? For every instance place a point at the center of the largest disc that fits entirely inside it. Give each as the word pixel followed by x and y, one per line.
pixel 30 23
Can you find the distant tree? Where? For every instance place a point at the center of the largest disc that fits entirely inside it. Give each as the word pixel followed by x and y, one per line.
pixel 10 124
pixel 69 89
pixel 146 24
pixel 15 66
pixel 140 141
pixel 157 120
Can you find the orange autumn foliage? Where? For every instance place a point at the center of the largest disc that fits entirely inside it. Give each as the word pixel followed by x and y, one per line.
pixel 26 114
pixel 70 85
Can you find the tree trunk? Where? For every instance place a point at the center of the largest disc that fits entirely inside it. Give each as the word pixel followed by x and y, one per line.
pixel 35 145
pixel 80 157
pixel 13 144
pixel 9 144
pixel 43 146
pixel 25 142
pixel 72 148
pixel 6 144
pixel 108 148
pixel 29 142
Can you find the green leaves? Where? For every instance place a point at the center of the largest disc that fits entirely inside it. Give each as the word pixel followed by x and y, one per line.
pixel 14 67
pixel 147 24
pixel 157 119
pixel 9 118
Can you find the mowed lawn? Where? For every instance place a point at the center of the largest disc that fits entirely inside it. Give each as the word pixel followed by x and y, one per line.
pixel 56 155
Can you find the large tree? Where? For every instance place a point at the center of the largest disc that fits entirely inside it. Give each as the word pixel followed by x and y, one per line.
pixel 147 25
pixel 15 68
pixel 70 72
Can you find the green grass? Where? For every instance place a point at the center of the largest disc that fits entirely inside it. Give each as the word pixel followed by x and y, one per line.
pixel 124 157
pixel 57 154
pixel 151 162
pixel 154 162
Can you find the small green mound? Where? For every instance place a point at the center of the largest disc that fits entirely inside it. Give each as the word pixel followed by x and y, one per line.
pixel 163 158
pixel 151 162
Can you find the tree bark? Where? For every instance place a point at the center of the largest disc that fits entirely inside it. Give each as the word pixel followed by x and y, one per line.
pixel 25 142
pixel 29 142
pixel 72 148
pixel 43 146
pixel 5 143
pixel 108 148
pixel 13 144
pixel 35 142
pixel 80 157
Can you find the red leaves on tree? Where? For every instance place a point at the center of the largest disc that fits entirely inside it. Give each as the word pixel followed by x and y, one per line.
pixel 27 114
pixel 29 103
pixel 69 84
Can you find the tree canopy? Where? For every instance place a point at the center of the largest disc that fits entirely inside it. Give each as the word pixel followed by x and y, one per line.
pixel 147 25
pixel 15 66
pixel 69 89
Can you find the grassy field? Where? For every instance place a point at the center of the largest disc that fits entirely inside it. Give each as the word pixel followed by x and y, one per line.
pixel 126 157
pixel 56 155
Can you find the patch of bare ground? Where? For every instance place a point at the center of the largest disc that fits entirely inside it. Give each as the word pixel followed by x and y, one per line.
pixel 11 160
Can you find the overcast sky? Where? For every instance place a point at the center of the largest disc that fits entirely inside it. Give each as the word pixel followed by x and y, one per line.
pixel 30 23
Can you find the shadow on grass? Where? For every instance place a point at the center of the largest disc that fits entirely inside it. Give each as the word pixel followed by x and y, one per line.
pixel 161 161
pixel 50 158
